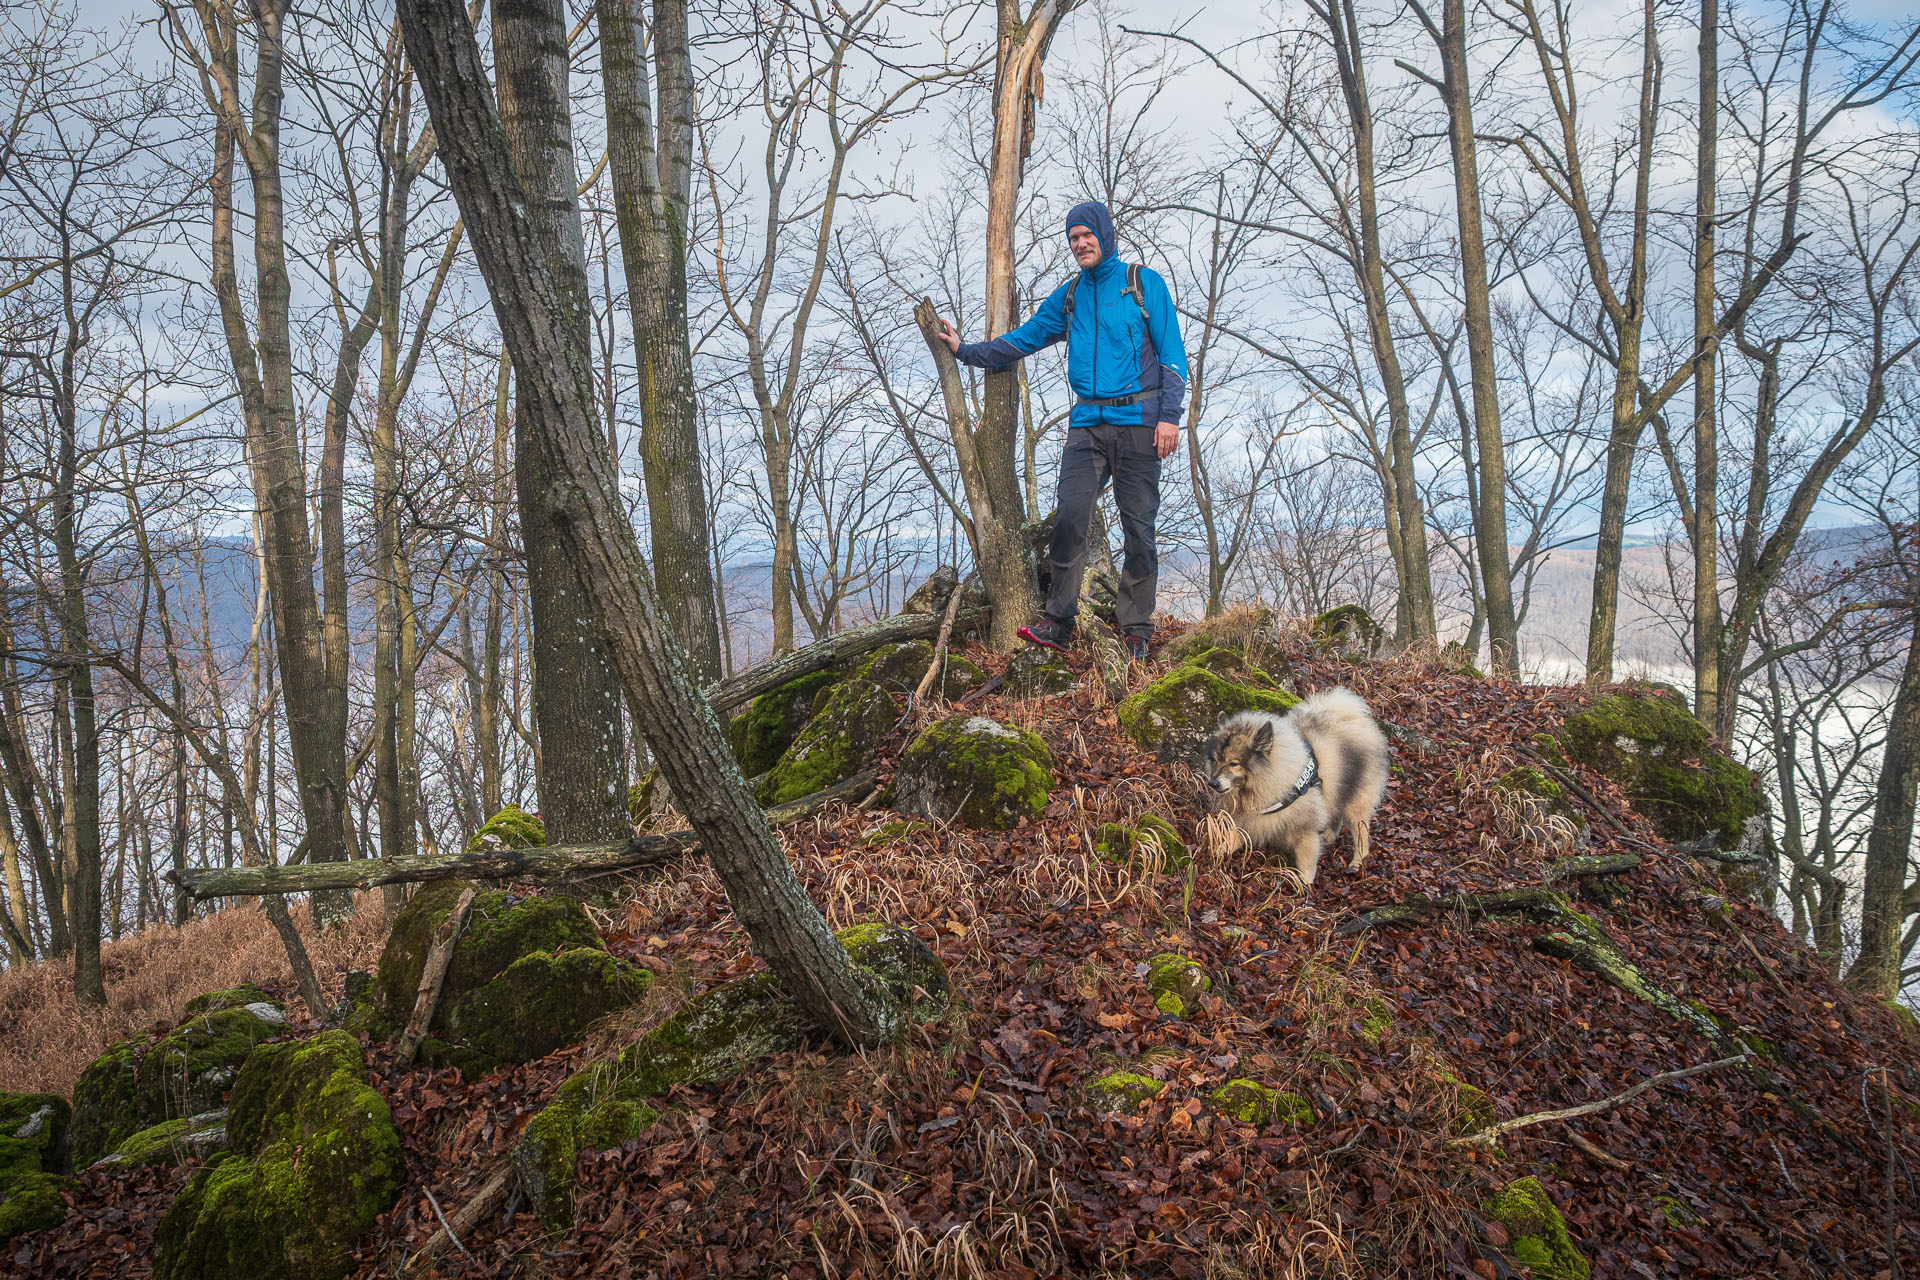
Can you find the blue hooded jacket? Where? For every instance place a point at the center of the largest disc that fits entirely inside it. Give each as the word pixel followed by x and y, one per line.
pixel 1112 350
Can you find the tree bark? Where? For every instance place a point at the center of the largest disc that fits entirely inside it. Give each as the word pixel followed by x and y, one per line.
pixel 650 197
pixel 1885 901
pixel 83 792
pixel 1705 526
pixel 586 518
pixel 576 695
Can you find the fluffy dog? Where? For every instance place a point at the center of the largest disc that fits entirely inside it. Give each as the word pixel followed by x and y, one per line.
pixel 1289 782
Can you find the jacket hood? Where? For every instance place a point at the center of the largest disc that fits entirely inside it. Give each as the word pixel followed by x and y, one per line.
pixel 1096 218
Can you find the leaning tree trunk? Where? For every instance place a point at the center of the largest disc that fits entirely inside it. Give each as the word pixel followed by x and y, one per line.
pixel 1883 895
pixel 650 193
pixel 576 695
pixel 588 523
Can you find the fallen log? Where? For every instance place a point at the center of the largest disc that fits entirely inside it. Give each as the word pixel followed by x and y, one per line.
pixel 832 651
pixel 485 864
pixel 1575 868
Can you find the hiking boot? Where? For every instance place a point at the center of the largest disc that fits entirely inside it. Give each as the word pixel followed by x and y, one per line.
pixel 1136 647
pixel 1048 634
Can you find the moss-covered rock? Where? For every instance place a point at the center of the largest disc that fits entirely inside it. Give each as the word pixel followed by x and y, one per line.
pixel 231 998
pixel 171 1142
pixel 1675 1212
pixel 1667 763
pixel 39 1120
pixel 1250 1102
pixel 899 668
pixel 713 1037
pixel 500 928
pixel 1537 1234
pixel 1349 631
pixel 1376 1021
pixel 1231 665
pixel 1176 983
pixel 960 677
pixel 539 1003
pixel 835 744
pixel 129 1088
pixel 31 1200
pixel 1039 672
pixel 1122 1091
pixel 1251 631
pixel 511 828
pixel 761 734
pixel 974 771
pixel 315 1159
pixel 1173 716
pixel 1152 839
pixel 1153 829
pixel 888 832
pixel 1904 1018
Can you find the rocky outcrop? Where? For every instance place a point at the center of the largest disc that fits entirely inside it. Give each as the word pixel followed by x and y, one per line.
pixel 511 828
pixel 33 1158
pixel 838 742
pixel 171 1142
pixel 1173 716
pixel 974 771
pixel 1667 763
pixel 315 1159
pixel 761 734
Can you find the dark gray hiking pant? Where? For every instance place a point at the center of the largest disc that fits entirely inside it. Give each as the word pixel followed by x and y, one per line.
pixel 1092 455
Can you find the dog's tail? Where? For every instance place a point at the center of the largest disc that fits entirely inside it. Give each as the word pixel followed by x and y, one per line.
pixel 1327 710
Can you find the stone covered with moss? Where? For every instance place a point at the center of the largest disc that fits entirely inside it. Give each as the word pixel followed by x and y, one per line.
pixel 1250 1102
pixel 1248 630
pixel 1176 984
pixel 897 829
pixel 527 976
pixel 1348 630
pixel 899 668
pixel 1039 672
pixel 1122 1091
pixel 713 1037
pixel 511 828
pixel 761 734
pixel 1537 1233
pixel 1130 845
pixel 39 1120
pixel 33 1158
pixel 171 1142
pixel 1667 763
pixel 231 998
pixel 129 1088
pixel 1231 665
pixel 1173 716
pixel 315 1159
pixel 835 744
pixel 974 771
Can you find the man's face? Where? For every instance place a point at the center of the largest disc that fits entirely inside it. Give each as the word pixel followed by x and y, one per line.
pixel 1085 246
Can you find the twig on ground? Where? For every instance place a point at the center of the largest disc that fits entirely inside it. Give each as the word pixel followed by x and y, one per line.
pixel 491 1195
pixel 446 1226
pixel 1597 1152
pixel 1493 1131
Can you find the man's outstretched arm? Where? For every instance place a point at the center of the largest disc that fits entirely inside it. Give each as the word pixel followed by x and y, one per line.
pixel 1048 326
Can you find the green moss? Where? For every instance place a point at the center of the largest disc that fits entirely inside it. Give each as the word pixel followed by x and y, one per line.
pixel 1251 1102
pixel 1675 1212
pixel 640 797
pixel 1122 1091
pixel 761 734
pixel 1230 665
pixel 974 771
pixel 897 667
pixel 315 1161
pixel 1455 655
pixel 1754 1042
pixel 541 1002
pixel 1122 844
pixel 1173 716
pixel 1905 1019
pixel 1173 849
pixel 1249 631
pixel 834 745
pixel 1037 672
pixel 960 677
pixel 511 828
pixel 1349 631
pixel 1377 1022
pixel 1113 841
pixel 1537 1233
pixel 31 1201
pixel 888 832
pixel 231 998
pixel 38 1122
pixel 172 1142
pixel 715 1036
pixel 1176 983
pixel 105 1107
pixel 1667 763
pixel 1529 781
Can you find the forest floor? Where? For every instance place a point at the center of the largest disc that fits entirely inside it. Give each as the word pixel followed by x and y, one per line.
pixel 971 1151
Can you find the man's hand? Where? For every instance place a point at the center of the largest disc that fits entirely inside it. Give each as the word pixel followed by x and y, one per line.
pixel 1166 438
pixel 951 336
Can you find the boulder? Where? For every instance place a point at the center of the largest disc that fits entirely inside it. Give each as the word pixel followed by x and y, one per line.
pixel 761 734
pixel 1039 672
pixel 40 1120
pixel 1233 666
pixel 314 1161
pixel 527 976
pixel 1667 763
pixel 1348 631
pixel 1173 716
pixel 1249 630
pixel 132 1087
pixel 974 771
pixel 1123 1091
pixel 714 1036
pixel 838 742
pixel 171 1142
pixel 30 1194
pixel 511 828
pixel 1176 984
pixel 899 668
pixel 1537 1233
pixel 1250 1102
pixel 1129 845
pixel 232 998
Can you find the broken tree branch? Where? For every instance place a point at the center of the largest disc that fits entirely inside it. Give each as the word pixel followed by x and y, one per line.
pixel 1494 1131
pixel 491 1195
pixel 822 654
pixel 485 864
pixel 432 978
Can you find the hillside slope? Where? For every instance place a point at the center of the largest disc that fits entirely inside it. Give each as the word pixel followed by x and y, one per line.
pixel 980 1147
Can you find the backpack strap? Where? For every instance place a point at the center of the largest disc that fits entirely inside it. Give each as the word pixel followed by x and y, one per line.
pixel 1133 287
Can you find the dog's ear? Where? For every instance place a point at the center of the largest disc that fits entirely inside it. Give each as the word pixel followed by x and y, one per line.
pixel 1263 738
pixel 1211 751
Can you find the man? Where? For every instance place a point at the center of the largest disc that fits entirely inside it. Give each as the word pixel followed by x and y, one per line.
pixel 1128 370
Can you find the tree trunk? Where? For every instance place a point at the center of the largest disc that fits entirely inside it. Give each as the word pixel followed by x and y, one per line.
pixel 650 196
pixel 587 520
pixel 1884 899
pixel 83 792
pixel 576 696
pixel 1490 513
pixel 1706 447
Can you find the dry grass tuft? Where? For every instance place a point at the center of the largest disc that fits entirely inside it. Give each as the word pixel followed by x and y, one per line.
pixel 47 1039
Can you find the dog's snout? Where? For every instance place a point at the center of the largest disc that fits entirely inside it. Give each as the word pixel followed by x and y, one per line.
pixel 1222 785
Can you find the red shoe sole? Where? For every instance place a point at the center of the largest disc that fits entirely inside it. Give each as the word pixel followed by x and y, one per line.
pixel 1026 633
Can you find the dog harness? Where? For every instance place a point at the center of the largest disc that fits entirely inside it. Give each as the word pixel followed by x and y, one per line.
pixel 1308 780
